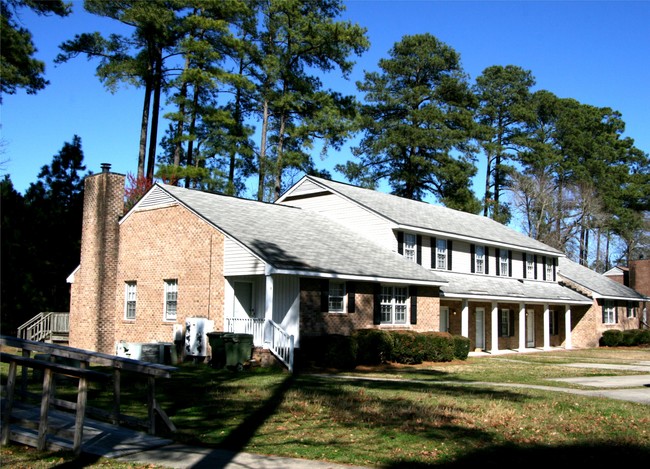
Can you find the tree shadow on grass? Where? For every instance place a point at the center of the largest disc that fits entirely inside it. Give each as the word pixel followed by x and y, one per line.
pixel 580 455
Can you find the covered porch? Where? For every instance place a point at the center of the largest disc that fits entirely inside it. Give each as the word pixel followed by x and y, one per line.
pixel 506 314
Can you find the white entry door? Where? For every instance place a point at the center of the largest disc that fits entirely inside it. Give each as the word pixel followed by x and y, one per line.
pixel 530 328
pixel 444 319
pixel 480 328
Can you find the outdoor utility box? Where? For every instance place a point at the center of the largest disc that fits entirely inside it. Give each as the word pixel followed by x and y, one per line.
pixel 218 349
pixel 238 348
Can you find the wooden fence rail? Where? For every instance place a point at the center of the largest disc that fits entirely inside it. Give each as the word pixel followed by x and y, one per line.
pixel 150 371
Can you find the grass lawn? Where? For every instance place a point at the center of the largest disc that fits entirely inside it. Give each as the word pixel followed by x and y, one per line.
pixel 434 422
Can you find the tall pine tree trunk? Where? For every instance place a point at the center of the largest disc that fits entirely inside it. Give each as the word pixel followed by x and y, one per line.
pixel 144 126
pixel 279 162
pixel 190 143
pixel 155 114
pixel 262 157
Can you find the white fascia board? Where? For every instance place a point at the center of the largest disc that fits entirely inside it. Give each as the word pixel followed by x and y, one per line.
pixel 365 278
pixel 70 278
pixel 448 235
pixel 513 299
pixel 621 298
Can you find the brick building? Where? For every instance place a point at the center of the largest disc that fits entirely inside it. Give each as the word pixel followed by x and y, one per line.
pixel 326 258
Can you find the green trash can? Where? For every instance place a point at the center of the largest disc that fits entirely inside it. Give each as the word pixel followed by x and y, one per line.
pixel 238 348
pixel 216 340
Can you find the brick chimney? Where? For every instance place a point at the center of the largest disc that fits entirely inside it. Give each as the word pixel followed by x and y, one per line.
pixel 92 302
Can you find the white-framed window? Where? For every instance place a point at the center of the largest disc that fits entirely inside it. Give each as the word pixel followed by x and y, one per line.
pixel 530 265
pixel 549 269
pixel 479 259
pixel 410 246
pixel 631 309
pixel 171 299
pixel 441 254
pixel 336 301
pixel 503 263
pixel 609 312
pixel 130 299
pixel 394 304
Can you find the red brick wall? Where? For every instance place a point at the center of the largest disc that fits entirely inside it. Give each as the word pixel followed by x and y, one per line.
pixel 161 244
pixel 314 322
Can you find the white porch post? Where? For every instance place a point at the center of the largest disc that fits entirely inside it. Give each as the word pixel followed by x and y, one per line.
pixel 522 326
pixel 494 326
pixel 547 323
pixel 268 298
pixel 567 327
pixel 464 319
pixel 268 309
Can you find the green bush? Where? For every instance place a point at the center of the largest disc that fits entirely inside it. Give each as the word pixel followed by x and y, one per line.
pixel 436 346
pixel 461 347
pixel 644 337
pixel 405 347
pixel 374 346
pixel 611 338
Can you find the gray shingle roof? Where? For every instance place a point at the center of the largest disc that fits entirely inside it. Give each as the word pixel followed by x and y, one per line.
pixel 489 287
pixel 434 217
pixel 292 239
pixel 595 282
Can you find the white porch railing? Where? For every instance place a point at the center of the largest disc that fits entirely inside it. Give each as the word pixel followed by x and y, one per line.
pixel 266 334
pixel 254 326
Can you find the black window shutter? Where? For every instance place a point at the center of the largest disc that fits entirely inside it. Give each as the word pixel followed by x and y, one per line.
pixel 535 265
pixel 543 267
pixel 509 263
pixel 554 269
pixel 376 316
pixel 400 242
pixel 524 258
pixel 413 290
pixel 487 260
pixel 324 295
pixel 603 307
pixel 449 251
pixel 512 323
pixel 472 251
pixel 419 249
pixel 351 289
pixel 497 257
pixel 616 312
pixel 434 256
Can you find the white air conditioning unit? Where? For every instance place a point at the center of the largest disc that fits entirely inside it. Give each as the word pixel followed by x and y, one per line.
pixel 196 336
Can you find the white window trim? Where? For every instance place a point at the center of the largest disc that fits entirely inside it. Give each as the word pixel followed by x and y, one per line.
pixel 530 266
pixel 609 312
pixel 549 269
pixel 172 282
pixel 344 298
pixel 393 304
pixel 478 258
pixel 130 295
pixel 410 246
pixel 441 252
pixel 504 313
pixel 504 261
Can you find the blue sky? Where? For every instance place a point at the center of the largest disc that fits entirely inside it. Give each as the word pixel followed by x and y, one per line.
pixel 597 52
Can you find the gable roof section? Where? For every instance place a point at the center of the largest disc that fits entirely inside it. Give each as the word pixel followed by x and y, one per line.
pixel 294 241
pixel 601 286
pixel 427 217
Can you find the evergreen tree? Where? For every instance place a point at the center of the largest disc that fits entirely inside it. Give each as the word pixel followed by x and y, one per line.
pixel 20 69
pixel 417 125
